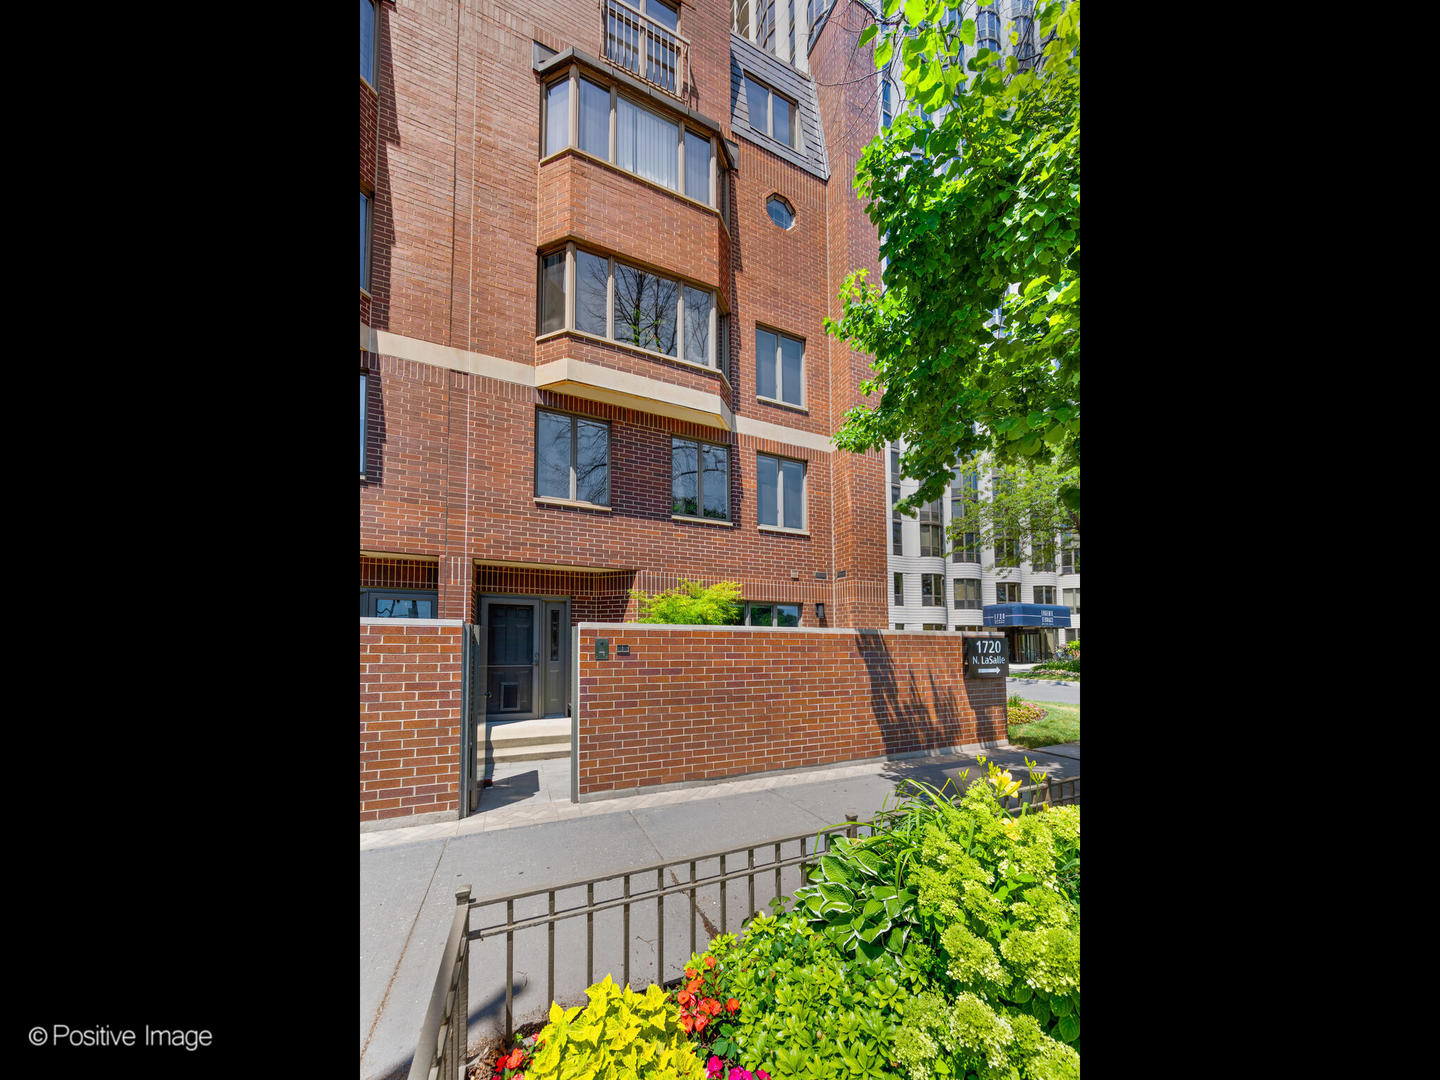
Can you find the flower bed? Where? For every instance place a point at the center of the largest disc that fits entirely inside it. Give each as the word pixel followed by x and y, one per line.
pixel 945 946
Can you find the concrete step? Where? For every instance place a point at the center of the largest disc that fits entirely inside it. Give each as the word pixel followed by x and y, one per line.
pixel 527 740
pixel 530 752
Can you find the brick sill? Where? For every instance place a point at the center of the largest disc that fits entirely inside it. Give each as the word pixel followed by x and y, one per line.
pixel 783 531
pixel 579 504
pixel 702 520
pixel 648 354
pixel 783 404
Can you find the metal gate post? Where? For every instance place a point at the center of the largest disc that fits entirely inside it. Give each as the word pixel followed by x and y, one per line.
pixel 467 716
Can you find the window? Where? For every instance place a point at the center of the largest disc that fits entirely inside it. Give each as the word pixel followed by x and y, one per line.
pixel 782 491
pixel 398 604
pixel 699 479
pixel 1042 550
pixel 655 60
pixel 557 117
pixel 932 626
pixel 1069 554
pixel 896 540
pixel 1072 601
pixel 932 530
pixel 780 211
pixel 779 367
pixel 1044 594
pixel 771 615
pixel 740 17
pixel 765 25
pixel 967 593
pixel 932 590
pixel 987 28
pixel 771 114
pixel 1007 551
pixel 572 458
pixel 628 305
pixel 362 425
pixel 887 108
pixel 899 626
pixel 791 10
pixel 367 41
pixel 364 242
pixel 646 143
pixel 1007 592
pixel 964 489
pixel 899 590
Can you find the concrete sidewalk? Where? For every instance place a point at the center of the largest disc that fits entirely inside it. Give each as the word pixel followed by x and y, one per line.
pixel 527 835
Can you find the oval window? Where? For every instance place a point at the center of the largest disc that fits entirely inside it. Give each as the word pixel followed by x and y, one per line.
pixel 781 212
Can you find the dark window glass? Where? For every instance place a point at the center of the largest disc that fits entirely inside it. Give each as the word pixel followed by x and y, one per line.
pixel 762 614
pixel 590 292
pixel 555 635
pixel 1044 594
pixel 592 462
pixel 697 167
pixel 684 478
pixel 715 481
pixel 557 116
pixel 390 604
pixel 367 40
pixel 787 614
pixel 552 455
pixel 645 310
pixel 594 119
pixel 362 423
pixel 780 212
pixel 899 584
pixel 784 116
pixel 1007 592
pixel 768 477
pixel 765 346
pixel 792 359
pixel 793 477
pixel 662 13
pixel 552 292
pixel 364 241
pixel 967 593
pixel 757 99
pixel 697 326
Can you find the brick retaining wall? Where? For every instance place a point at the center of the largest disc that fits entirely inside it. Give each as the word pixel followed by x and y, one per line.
pixel 409 717
pixel 695 704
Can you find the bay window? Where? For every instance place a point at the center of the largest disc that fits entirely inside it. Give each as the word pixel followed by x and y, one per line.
pixel 628 305
pixel 612 127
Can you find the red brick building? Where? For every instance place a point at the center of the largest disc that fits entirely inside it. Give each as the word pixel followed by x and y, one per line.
pixel 599 240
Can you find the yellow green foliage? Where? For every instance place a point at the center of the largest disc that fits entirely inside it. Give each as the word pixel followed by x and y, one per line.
pixel 620 1035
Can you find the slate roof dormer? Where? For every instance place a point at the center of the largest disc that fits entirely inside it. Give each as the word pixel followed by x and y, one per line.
pixel 746 56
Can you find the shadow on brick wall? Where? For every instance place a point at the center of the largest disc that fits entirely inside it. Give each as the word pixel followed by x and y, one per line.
pixel 908 719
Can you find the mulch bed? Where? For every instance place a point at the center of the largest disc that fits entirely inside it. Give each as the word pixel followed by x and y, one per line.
pixel 483 1066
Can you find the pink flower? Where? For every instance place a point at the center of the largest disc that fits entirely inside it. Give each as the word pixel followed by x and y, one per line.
pixel 737 1073
pixel 714 1068
pixel 761 1074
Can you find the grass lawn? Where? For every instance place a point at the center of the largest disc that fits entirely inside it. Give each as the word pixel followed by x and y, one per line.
pixel 1060 724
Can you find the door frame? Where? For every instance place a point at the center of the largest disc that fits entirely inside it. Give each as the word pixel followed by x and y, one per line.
pixel 537 672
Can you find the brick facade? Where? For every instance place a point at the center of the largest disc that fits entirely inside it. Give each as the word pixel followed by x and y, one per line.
pixel 463 207
pixel 409 718
pixel 689 705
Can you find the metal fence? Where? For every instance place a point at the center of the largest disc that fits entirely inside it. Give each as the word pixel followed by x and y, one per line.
pixel 440 1051
pixel 644 47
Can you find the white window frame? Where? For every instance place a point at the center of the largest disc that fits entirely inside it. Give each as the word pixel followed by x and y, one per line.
pixel 780 494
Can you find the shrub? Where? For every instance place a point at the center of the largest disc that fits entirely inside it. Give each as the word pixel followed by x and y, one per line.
pixel 691 604
pixel 1023 712
pixel 620 1034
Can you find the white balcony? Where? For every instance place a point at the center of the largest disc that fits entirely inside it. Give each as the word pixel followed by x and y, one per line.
pixel 645 48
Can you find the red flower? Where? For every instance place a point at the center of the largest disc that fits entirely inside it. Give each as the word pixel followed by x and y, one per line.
pixel 689 973
pixel 693 986
pixel 709 961
pixel 700 1022
pixel 733 1005
pixel 686 1023
pixel 686 997
pixel 711 1006
pixel 510 1060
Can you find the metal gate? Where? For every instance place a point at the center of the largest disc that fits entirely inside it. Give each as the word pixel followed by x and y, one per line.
pixel 472 707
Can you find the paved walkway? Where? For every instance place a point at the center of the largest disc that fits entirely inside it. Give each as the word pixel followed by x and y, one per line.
pixel 527 835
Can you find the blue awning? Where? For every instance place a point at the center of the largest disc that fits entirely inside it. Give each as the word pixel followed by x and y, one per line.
pixel 1025 615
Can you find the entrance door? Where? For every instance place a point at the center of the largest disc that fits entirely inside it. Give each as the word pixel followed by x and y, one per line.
pixel 555 649
pixel 527 656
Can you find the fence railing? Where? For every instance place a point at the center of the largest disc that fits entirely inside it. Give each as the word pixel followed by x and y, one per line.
pixel 645 48
pixel 441 1048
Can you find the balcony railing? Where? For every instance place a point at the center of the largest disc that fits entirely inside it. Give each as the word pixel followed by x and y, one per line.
pixel 645 48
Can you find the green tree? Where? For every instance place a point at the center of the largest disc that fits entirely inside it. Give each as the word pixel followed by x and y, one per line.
pixel 1024 507
pixel 691 604
pixel 975 189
